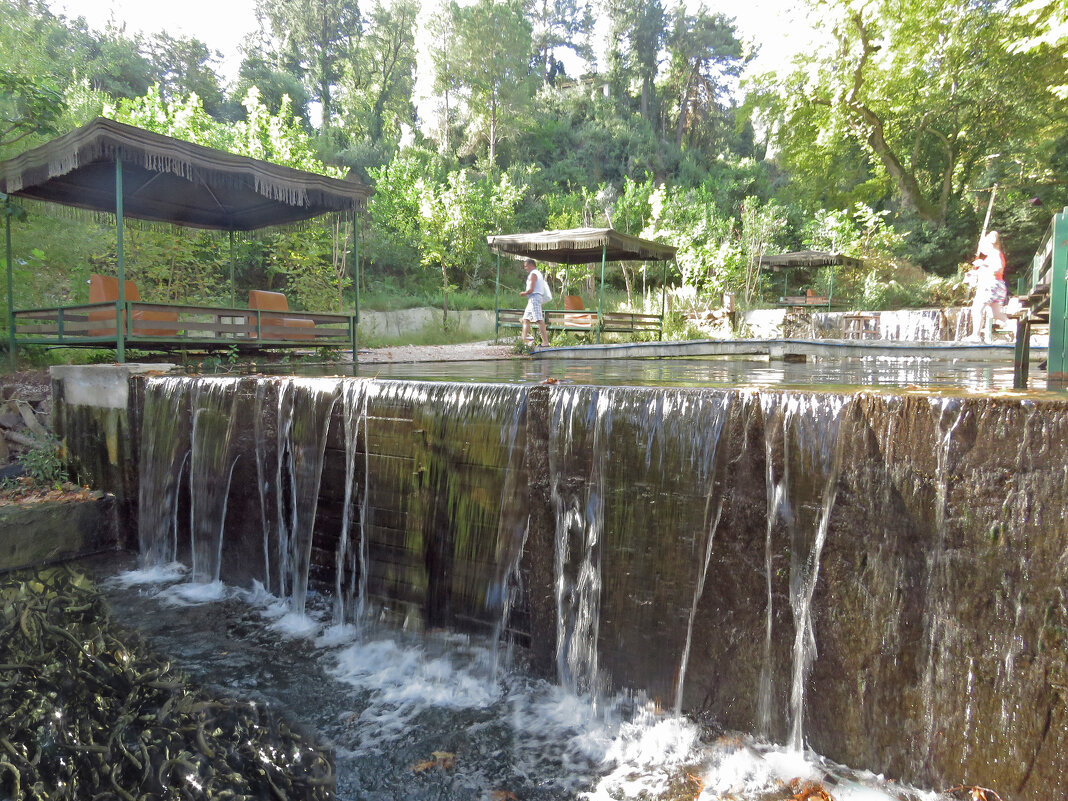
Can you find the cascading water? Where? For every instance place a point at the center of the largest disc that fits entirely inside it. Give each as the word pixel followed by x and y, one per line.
pixel 658 502
pixel 210 469
pixel 163 456
pixel 579 517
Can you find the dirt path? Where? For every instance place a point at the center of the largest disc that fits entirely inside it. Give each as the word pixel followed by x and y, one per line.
pixel 468 351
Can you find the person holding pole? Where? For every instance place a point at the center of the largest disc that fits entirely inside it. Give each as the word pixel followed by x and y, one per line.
pixel 987 275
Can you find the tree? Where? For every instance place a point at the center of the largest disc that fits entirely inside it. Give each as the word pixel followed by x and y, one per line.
pixel 705 54
pixel 636 37
pixel 320 34
pixel 559 24
pixel 182 66
pixel 381 78
pixel 276 80
pixel 492 52
pixel 27 106
pixel 929 89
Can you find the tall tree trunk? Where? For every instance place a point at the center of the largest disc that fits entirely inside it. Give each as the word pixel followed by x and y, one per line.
pixel 493 130
pixel 684 107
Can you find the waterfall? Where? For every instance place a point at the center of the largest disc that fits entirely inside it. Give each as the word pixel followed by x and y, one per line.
pixel 937 622
pixel 164 449
pixel 579 515
pixel 350 563
pixel 804 430
pixel 210 469
pixel 512 527
pixel 263 485
pixel 825 445
pixel 309 404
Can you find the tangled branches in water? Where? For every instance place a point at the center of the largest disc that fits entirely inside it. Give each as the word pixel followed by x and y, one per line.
pixel 88 713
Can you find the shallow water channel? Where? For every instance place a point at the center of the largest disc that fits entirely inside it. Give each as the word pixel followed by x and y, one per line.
pixel 886 373
pixel 439 715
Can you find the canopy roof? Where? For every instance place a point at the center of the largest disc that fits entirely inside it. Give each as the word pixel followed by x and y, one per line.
pixel 168 180
pixel 807 258
pixel 581 246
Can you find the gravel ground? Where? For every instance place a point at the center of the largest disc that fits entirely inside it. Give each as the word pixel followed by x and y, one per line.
pixel 468 351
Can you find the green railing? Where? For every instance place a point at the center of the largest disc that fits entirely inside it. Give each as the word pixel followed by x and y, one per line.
pixel 1047 288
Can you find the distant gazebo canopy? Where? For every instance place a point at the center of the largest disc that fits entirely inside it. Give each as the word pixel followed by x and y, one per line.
pixel 808 258
pixel 581 246
pixel 167 180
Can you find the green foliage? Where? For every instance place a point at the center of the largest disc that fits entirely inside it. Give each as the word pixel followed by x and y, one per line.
pixel 43 465
pixel 28 106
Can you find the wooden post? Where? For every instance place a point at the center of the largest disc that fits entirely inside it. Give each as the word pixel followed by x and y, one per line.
pixel 1021 361
pixel 120 308
pixel 1057 366
pixel 600 299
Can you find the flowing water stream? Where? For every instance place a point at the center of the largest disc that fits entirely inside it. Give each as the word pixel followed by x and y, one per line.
pixel 381 582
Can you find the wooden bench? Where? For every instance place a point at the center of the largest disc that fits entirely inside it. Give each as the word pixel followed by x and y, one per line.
pixel 808 300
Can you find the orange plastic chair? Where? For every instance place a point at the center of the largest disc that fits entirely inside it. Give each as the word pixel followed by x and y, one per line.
pixel 573 303
pixel 105 289
pixel 263 300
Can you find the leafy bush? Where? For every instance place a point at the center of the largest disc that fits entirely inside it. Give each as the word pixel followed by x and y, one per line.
pixel 42 464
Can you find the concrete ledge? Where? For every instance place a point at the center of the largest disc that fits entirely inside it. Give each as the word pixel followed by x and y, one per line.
pixel 54 531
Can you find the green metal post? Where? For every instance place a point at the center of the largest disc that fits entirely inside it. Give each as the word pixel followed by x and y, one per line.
pixel 600 299
pixel 1057 365
pixel 663 302
pixel 10 295
pixel 120 309
pixel 830 291
pixel 233 284
pixel 355 280
pixel 497 301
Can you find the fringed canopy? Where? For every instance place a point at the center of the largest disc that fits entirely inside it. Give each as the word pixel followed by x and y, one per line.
pixel 581 246
pixel 168 180
pixel 808 258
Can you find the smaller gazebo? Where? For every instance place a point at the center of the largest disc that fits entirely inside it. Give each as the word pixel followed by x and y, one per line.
pixel 584 246
pixel 803 260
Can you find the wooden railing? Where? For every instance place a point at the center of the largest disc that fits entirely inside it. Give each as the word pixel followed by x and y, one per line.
pixel 175 325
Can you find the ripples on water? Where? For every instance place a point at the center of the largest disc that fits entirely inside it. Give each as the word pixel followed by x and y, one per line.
pixel 394 702
pixel 888 373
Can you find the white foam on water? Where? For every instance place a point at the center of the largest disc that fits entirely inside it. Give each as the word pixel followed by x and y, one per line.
pixel 408 675
pixel 647 754
pixel 611 748
pixel 194 593
pixel 337 634
pixel 296 625
pixel 157 574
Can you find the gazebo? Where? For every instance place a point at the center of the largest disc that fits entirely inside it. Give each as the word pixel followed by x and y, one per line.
pixel 583 246
pixel 107 166
pixel 805 260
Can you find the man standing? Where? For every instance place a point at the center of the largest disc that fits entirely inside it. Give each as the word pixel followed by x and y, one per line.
pixel 537 292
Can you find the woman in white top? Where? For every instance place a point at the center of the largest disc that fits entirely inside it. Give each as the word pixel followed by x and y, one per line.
pixel 537 292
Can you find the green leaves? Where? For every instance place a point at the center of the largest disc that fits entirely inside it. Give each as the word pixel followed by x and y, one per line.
pixel 28 105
